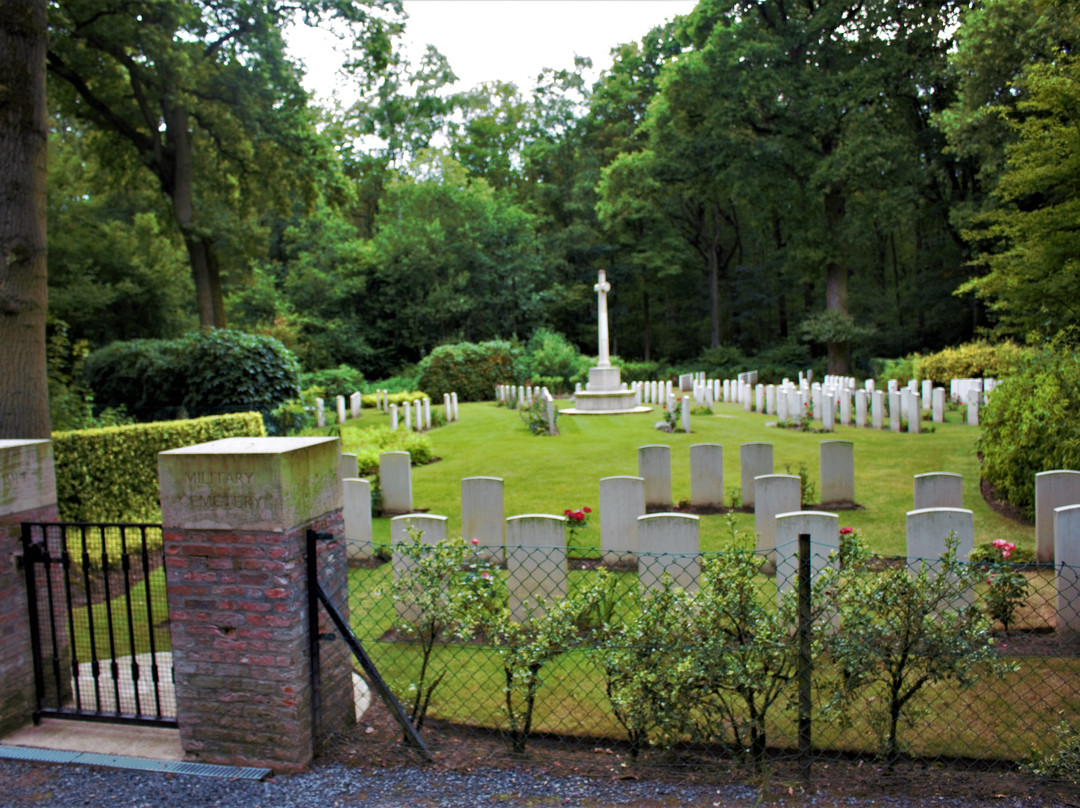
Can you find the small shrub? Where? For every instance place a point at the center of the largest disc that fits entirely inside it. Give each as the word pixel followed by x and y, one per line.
pixel 340 381
pixel 534 416
pixel 553 361
pixel 369 443
pixel 1063 763
pixel 1029 425
pixel 470 369
pixel 972 360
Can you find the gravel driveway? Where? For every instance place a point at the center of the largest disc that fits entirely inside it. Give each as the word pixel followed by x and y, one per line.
pixel 334 785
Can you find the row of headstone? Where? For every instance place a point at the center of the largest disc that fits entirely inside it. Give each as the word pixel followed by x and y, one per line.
pixel 450 407
pixel 518 396
pixel 416 414
pixel 345 408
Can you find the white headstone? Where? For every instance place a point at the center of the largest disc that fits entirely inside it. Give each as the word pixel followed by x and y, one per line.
pixel 894 411
pixel 418 415
pixel 355 403
pixel 654 465
pixel 973 408
pixel 357 516
pixel 483 515
pixel 927 392
pixel 939 489
pixel 320 412
pixel 348 465
pixel 393 417
pixel 687 404
pixel 773 494
pixel 928 528
pixel 1067 567
pixel 406 406
pixel 860 408
pixel 622 501
pixel 453 405
pixel 837 460
pixel 914 413
pixel 395 482
pixel 755 459
pixel 668 543
pixel 824 531
pixel 1053 489
pixel 877 409
pixel 707 475
pixel 432 530
pixel 828 412
pixel 535 563
pixel 340 409
pixel 427 413
pixel 938 405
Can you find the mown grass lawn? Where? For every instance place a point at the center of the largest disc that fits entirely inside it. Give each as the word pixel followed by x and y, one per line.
pixel 550 474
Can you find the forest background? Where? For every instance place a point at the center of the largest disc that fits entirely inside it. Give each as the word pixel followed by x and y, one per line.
pixel 842 178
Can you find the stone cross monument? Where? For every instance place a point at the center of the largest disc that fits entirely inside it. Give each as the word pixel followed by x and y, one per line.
pixel 601 288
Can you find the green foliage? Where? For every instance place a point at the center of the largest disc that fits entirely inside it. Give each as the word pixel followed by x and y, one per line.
pixel 340 381
pixel 637 371
pixel 785 361
pixel 441 595
pixel 469 369
pixel 1061 763
pixel 369 443
pixel 551 357
pixel 724 361
pixel 648 665
pixel 111 473
pixel 204 372
pixel 1029 424
pixel 833 326
pixel 534 416
pixel 901 369
pixel 71 401
pixel 903 629
pixel 971 360
pixel 807 487
pixel 526 647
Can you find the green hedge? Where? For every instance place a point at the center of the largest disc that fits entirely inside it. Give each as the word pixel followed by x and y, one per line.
pixel 973 360
pixel 470 369
pixel 110 474
pixel 369 443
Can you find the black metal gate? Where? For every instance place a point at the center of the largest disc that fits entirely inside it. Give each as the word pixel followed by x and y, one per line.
pixel 99 622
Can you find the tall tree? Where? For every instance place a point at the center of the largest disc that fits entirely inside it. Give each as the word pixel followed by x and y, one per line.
pixel 200 93
pixel 24 396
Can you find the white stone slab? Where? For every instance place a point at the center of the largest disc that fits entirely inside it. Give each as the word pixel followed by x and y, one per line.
pixel 1053 489
pixel 668 543
pixel 824 531
pixel 535 562
pixel 395 481
pixel 483 515
pixel 707 475
pixel 939 489
pixel 774 494
pixel 357 514
pixel 27 476
pixel 654 465
pixel 755 459
pixel 622 501
pixel 928 528
pixel 1067 567
pixel 837 461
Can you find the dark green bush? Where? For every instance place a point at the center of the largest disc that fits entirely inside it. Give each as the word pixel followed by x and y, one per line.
pixel 1029 425
pixel 201 373
pixel 470 369
pixel 637 371
pixel 973 360
pixel 340 381
pixel 554 361
pixel 723 362
pixel 782 361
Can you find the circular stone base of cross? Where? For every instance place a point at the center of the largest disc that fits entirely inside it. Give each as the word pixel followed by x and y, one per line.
pixel 631 411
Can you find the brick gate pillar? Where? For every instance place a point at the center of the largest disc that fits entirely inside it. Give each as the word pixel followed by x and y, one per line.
pixel 235 516
pixel 27 494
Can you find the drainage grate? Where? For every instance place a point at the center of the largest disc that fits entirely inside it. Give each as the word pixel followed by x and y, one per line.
pixel 132 763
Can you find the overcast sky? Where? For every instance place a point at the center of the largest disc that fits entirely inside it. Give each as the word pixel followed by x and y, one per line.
pixel 511 40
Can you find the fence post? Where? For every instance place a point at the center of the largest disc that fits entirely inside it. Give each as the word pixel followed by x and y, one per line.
pixel 806 662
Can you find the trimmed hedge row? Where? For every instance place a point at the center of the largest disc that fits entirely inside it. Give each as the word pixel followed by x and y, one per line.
pixel 110 474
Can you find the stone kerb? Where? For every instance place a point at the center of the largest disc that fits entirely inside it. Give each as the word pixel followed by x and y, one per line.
pixel 483 514
pixel 535 562
pixel 622 501
pixel 654 465
pixel 395 481
pixel 755 459
pixel 235 516
pixel 939 489
pixel 824 530
pixel 27 494
pixel 775 494
pixel 1067 566
pixel 1053 489
pixel 668 543
pixel 837 461
pixel 707 475
pixel 359 538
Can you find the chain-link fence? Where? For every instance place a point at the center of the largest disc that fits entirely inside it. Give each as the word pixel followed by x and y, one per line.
pixel 719 654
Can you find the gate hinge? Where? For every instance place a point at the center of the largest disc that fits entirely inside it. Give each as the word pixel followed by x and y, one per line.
pixel 328 636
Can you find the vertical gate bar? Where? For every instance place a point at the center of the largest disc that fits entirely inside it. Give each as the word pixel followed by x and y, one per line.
pixel 806 663
pixel 113 671
pixel 95 666
pixel 29 562
pixel 48 563
pixel 313 628
pixel 65 561
pixel 150 620
pixel 125 565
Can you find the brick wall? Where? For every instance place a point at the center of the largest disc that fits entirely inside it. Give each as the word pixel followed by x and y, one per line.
pixel 238 614
pixel 17 699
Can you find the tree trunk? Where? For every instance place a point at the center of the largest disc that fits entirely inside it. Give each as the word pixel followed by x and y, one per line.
pixel 836 280
pixel 24 389
pixel 200 246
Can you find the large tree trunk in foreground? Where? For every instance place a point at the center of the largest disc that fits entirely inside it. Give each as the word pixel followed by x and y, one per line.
pixel 24 390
